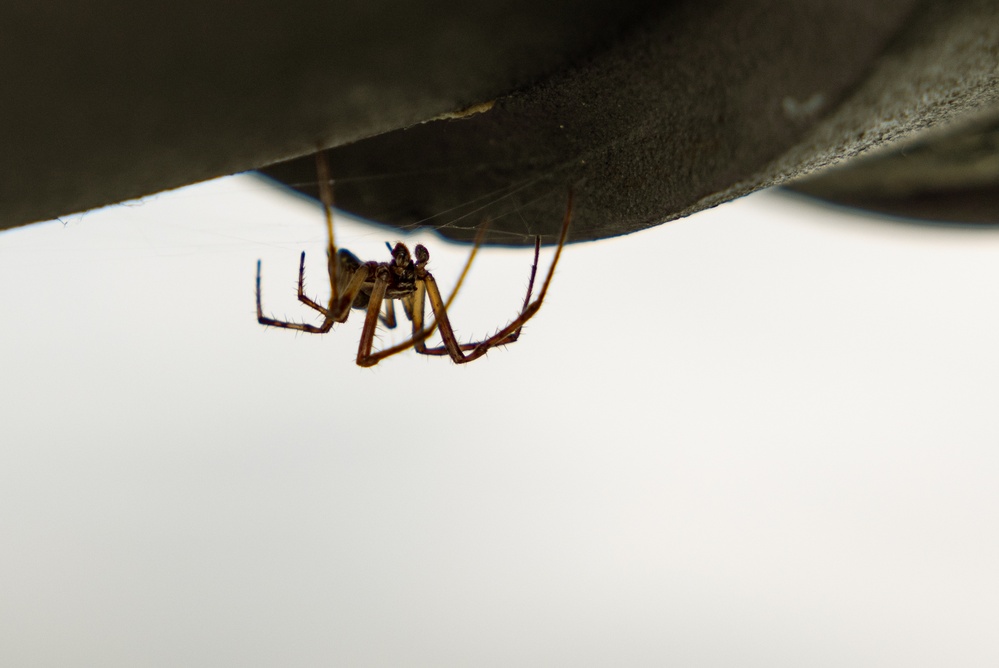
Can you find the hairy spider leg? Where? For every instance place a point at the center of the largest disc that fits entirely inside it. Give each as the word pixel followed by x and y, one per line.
pixel 337 312
pixel 371 318
pixel 348 265
pixel 388 319
pixel 325 184
pixel 343 262
pixel 302 297
pixel 443 350
pixel 427 287
pixel 409 305
pixel 326 196
pixel 503 336
pixel 344 267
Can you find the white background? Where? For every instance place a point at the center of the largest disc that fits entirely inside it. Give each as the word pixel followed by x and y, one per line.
pixel 765 435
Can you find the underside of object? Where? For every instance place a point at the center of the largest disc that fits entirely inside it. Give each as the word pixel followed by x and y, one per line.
pixel 450 114
pixel 948 175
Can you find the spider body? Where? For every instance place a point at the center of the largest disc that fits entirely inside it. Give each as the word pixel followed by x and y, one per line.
pixel 401 274
pixel 369 286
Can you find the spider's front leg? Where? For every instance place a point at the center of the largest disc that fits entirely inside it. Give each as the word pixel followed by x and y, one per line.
pixel 507 334
pixel 299 326
pixel 422 348
pixel 388 318
pixel 364 354
pixel 337 310
pixel 302 297
pixel 342 267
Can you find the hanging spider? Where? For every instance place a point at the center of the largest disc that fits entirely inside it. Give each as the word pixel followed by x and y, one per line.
pixel 366 285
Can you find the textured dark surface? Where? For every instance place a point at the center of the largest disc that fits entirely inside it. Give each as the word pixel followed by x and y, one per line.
pixel 105 101
pixel 650 110
pixel 699 97
pixel 950 175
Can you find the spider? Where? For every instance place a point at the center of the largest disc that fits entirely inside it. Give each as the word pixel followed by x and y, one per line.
pixel 366 285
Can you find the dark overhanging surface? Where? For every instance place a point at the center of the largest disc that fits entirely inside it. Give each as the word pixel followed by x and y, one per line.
pixel 948 175
pixel 651 110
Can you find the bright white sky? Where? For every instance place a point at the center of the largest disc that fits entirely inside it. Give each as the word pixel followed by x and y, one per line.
pixel 776 445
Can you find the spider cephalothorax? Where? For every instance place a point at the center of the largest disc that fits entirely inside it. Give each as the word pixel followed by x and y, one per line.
pixel 405 272
pixel 369 285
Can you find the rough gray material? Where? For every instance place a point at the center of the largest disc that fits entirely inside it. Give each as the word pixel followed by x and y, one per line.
pixel 942 175
pixel 105 101
pixel 930 109
pixel 651 110
pixel 691 108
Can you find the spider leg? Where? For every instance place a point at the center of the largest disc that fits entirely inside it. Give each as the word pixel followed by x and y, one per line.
pixel 337 311
pixel 371 359
pixel 530 285
pixel 388 319
pixel 413 306
pixel 442 350
pixel 479 236
pixel 302 327
pixel 326 196
pixel 451 345
pixel 302 297
pixel 364 355
pixel 407 306
pixel 503 336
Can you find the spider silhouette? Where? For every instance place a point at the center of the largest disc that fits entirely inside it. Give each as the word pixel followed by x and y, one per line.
pixel 368 285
